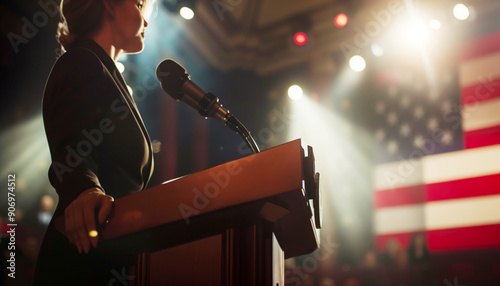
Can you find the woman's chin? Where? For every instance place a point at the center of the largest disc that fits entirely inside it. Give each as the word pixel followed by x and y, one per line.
pixel 135 48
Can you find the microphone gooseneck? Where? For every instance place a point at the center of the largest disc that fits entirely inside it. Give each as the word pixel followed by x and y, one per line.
pixel 176 82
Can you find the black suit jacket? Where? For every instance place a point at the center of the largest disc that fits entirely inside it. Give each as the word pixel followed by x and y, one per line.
pixel 96 139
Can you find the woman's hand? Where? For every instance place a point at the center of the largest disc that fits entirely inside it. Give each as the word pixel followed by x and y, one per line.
pixel 80 217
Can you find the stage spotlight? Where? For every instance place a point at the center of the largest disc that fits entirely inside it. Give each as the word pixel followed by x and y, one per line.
pixel 461 12
pixel 341 20
pixel 295 92
pixel 300 39
pixel 184 7
pixel 417 33
pixel 186 13
pixel 357 63
pixel 120 67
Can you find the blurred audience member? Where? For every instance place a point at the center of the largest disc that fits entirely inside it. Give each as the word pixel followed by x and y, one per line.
pixel 388 257
pixel 326 281
pixel 420 259
pixel 401 260
pixel 417 250
pixel 372 275
pixel 40 216
pixel 309 281
pixel 351 282
pixel 370 260
pixel 401 273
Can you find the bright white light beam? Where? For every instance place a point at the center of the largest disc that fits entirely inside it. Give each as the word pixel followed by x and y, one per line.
pixel 461 12
pixel 186 13
pixel 357 63
pixel 295 92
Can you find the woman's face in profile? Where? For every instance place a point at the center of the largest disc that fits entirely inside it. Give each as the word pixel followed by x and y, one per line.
pixel 129 25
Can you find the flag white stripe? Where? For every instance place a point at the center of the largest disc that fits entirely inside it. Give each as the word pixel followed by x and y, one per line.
pixel 462 164
pixel 449 166
pixel 475 70
pixel 446 214
pixel 398 174
pixel 462 212
pixel 407 218
pixel 482 114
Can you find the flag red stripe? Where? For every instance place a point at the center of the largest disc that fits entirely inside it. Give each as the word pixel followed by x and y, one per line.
pixel 475 237
pixel 400 196
pixel 480 46
pixel 482 137
pixel 465 188
pixel 480 92
pixel 452 239
pixel 473 56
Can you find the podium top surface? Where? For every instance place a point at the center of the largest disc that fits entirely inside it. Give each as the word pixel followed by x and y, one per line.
pixel 274 176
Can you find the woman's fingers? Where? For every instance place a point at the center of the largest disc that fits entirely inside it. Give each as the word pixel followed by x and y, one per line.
pixel 80 230
pixel 81 216
pixel 106 206
pixel 89 230
pixel 70 227
pixel 74 226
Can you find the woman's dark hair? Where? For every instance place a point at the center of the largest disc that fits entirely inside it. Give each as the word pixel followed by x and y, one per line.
pixel 79 18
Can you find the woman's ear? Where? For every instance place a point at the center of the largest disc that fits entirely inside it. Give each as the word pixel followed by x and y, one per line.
pixel 109 7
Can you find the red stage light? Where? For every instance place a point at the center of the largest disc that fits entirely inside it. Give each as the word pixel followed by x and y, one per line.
pixel 341 20
pixel 300 38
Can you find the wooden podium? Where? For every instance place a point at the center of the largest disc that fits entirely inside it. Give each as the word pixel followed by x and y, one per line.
pixel 232 224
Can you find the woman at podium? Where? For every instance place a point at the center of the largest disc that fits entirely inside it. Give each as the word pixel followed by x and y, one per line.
pixel 99 146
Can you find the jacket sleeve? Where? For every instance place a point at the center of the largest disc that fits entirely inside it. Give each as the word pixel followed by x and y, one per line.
pixel 74 108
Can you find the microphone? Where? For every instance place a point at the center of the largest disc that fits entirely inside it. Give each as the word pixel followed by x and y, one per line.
pixel 176 82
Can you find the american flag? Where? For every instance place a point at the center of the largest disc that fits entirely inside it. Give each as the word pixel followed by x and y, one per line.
pixel 439 154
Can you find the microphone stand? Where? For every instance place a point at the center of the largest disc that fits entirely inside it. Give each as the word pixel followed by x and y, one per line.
pixel 209 106
pixel 237 126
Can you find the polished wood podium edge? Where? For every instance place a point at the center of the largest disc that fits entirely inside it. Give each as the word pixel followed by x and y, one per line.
pixel 203 203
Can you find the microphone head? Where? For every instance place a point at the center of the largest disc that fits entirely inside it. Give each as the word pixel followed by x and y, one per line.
pixel 171 76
